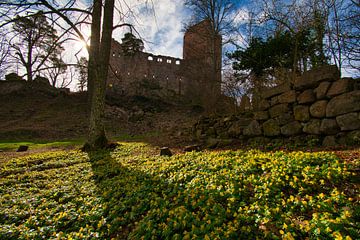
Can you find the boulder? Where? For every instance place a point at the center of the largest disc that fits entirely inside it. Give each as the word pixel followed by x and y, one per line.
pixel 341 86
pixel 353 138
pixel 287 97
pixel 307 96
pixel 313 77
pixel 349 121
pixel 329 126
pixel 263 105
pixel 322 89
pixel 318 109
pixel 271 128
pixel 312 127
pixel 235 130
pixel 22 148
pixel 253 129
pixel 329 141
pixel 277 110
pixel 291 129
pixel 345 103
pixel 267 93
pixel 191 148
pixel 261 115
pixel 301 113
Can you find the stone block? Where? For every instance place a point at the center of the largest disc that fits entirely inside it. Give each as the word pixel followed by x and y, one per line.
pixel 284 118
pixel 267 93
pixel 349 121
pixel 321 90
pixel 341 86
pixel 313 77
pixel 307 96
pixel 271 128
pixel 301 113
pixel 235 130
pixel 263 105
pixel 279 109
pixel 253 129
pixel 318 109
pixel 345 103
pixel 329 126
pixel 291 129
pixel 312 127
pixel 287 97
pixel 261 115
pixel 329 141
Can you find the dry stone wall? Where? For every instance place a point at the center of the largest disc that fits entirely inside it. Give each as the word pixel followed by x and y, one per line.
pixel 319 105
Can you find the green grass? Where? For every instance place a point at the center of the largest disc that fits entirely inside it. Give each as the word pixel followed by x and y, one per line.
pixel 132 193
pixel 13 145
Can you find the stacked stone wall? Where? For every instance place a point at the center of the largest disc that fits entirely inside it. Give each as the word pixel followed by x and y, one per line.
pixel 319 104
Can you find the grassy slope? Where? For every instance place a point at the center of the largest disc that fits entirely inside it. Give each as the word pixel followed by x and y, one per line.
pixel 133 193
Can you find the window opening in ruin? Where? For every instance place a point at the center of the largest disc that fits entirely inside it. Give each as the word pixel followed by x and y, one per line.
pixel 116 71
pixel 168 60
pixel 145 75
pixel 129 73
pixel 150 58
pixel 159 59
pixel 113 54
pixel 153 76
pixel 177 62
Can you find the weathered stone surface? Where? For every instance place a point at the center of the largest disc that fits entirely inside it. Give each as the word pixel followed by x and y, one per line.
pixel 329 141
pixel 263 105
pixel 353 137
pixel 191 148
pixel 210 131
pixel 322 89
pixel 291 129
pixel 284 118
pixel 307 96
pixel 345 103
pixel 301 113
pixel 165 151
pixel 287 97
pixel 258 141
pixel 243 122
pixel 275 90
pixel 235 130
pixel 312 127
pixel 349 121
pixel 253 129
pixel 312 77
pixel 341 86
pixel 278 110
pixel 22 148
pixel 318 109
pixel 261 115
pixel 271 128
pixel 245 103
pixel 329 126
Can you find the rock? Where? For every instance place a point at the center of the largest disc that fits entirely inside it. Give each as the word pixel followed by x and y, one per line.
pixel 263 105
pixel 284 118
pixel 312 127
pixel 191 148
pixel 245 103
pixel 210 132
pixel 253 129
pixel 261 115
pixel 165 151
pixel 353 138
pixel 349 121
pixel 329 126
pixel 307 96
pixel 235 130
pixel 341 86
pixel 244 122
pixel 278 110
pixel 287 97
pixel 329 141
pixel 322 89
pixel 258 141
pixel 216 142
pixel 318 109
pixel 345 103
pixel 271 128
pixel 22 148
pixel 313 77
pixel 301 113
pixel 291 129
pixel 267 93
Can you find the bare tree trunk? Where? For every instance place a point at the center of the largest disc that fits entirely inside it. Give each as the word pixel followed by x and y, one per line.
pixel 97 137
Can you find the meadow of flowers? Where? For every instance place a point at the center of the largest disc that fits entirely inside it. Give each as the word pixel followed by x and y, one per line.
pixel 132 193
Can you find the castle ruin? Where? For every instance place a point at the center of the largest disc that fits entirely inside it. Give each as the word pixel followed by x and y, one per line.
pixel 196 77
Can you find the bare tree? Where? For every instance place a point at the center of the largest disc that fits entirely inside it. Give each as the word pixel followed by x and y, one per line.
pixel 4 53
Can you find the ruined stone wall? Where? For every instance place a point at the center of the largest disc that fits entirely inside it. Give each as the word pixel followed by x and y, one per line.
pixel 318 104
pixel 141 72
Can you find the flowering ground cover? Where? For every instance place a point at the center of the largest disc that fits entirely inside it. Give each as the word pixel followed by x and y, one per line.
pixel 131 193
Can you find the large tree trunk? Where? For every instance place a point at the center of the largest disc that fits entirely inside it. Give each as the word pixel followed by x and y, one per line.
pixel 97 137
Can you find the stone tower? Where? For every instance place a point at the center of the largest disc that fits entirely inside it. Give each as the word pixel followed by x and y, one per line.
pixel 202 53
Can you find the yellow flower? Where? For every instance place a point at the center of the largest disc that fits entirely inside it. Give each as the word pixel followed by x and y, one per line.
pixel 281 232
pixel 285 226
